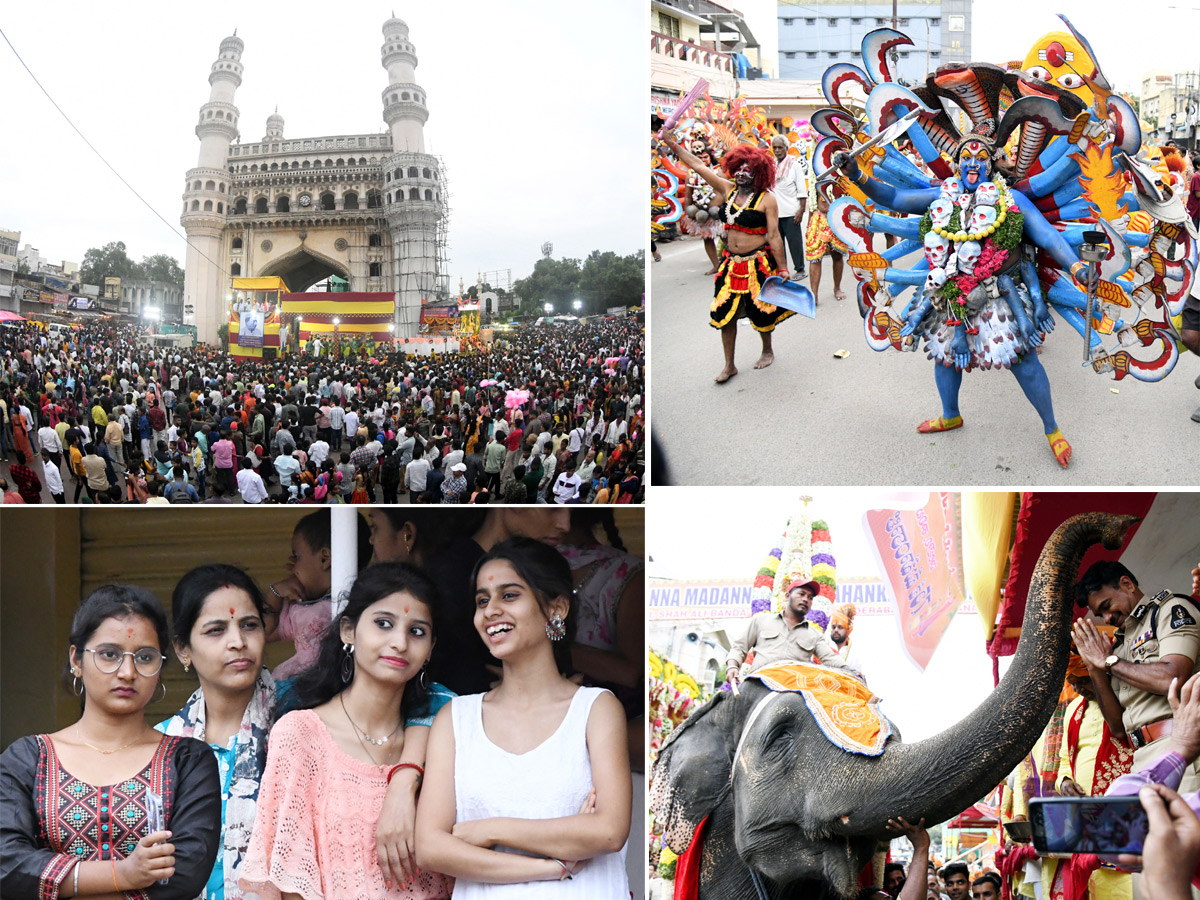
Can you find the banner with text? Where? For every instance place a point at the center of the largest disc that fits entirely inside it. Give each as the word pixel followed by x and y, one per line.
pixel 672 600
pixel 920 553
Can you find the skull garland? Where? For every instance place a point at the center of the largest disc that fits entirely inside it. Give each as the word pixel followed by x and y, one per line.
pixel 933 281
pixel 952 188
pixel 968 254
pixel 981 218
pixel 987 194
pixel 940 211
pixel 937 249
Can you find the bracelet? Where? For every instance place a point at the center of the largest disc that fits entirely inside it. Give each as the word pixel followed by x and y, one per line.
pixel 113 860
pixel 406 765
pixel 75 880
pixel 863 177
pixel 566 875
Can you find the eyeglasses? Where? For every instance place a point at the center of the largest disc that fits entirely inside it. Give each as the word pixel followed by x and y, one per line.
pixel 147 661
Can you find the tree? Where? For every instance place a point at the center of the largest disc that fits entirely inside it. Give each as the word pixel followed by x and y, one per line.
pixel 161 267
pixel 108 261
pixel 22 267
pixel 610 280
pixel 552 280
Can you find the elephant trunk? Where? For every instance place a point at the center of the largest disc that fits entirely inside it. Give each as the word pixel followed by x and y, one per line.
pixel 941 776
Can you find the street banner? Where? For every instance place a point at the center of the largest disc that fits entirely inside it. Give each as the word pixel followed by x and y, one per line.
pixel 919 551
pixel 250 328
pixel 730 598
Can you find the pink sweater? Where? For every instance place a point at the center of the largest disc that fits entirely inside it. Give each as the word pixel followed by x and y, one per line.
pixel 318 808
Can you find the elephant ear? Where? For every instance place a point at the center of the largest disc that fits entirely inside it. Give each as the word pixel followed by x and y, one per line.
pixel 691 774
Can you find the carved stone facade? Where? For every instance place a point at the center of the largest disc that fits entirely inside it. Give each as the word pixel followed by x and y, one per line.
pixel 370 208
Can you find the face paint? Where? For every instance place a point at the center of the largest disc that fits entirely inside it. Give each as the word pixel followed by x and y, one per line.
pixel 974 162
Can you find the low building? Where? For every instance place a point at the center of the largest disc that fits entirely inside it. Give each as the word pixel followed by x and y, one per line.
pixel 9 242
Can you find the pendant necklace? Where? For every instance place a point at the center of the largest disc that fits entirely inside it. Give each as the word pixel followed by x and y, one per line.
pixel 370 740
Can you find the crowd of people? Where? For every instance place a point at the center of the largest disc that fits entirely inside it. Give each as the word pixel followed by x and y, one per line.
pixel 457 723
pixel 546 414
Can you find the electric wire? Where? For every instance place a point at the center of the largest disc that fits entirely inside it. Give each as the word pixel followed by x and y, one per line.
pixel 100 155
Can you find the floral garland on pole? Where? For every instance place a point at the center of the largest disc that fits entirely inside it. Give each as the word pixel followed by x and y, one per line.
pixel 795 565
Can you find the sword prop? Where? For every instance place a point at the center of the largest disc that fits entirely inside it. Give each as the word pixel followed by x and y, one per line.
pixel 889 134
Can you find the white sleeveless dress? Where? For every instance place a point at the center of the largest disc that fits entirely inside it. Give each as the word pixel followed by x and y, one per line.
pixel 548 782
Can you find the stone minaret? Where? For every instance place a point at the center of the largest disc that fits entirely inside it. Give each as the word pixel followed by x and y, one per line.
pixel 416 192
pixel 206 196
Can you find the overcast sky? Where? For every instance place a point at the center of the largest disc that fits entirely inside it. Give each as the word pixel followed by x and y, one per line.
pixel 537 108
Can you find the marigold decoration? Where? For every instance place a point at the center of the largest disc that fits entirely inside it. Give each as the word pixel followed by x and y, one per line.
pixel 824 566
pixel 764 582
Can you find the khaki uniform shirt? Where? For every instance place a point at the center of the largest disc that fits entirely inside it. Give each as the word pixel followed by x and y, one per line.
pixel 1161 625
pixel 773 641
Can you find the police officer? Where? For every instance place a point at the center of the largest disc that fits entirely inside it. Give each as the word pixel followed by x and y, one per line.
pixel 785 635
pixel 1157 641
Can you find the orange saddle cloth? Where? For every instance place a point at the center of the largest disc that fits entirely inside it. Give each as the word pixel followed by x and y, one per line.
pixel 846 711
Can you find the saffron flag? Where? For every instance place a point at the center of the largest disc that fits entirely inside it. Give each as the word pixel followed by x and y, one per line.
pixel 919 551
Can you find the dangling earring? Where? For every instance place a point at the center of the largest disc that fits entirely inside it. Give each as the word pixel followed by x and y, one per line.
pixel 163 685
pixel 555 629
pixel 421 679
pixel 187 665
pixel 347 663
pixel 76 686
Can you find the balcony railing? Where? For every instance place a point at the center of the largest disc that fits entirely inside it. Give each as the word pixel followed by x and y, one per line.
pixel 686 51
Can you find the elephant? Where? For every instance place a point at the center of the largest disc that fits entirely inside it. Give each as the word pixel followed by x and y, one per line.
pixel 801 817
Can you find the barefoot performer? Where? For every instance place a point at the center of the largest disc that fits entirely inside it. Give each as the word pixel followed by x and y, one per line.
pixel 752 246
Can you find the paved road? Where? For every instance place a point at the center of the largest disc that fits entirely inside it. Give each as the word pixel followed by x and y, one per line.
pixel 814 419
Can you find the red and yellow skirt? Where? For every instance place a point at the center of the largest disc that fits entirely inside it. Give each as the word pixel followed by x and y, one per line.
pixel 737 284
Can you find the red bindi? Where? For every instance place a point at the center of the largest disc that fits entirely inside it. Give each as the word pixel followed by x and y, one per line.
pixel 129 632
pixel 406 610
pixel 491 578
pixel 231 612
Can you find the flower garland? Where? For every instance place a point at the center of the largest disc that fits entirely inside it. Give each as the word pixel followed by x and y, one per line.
pixel 795 563
pixel 992 258
pixel 823 564
pixel 764 582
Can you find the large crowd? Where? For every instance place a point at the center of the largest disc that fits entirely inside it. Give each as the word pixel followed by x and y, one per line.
pixel 545 414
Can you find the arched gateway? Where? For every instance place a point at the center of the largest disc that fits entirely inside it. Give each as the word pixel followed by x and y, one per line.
pixel 369 208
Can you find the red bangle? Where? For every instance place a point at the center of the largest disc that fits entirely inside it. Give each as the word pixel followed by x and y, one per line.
pixel 396 768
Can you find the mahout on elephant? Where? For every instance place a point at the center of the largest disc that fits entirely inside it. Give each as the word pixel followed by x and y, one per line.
pixel 787 814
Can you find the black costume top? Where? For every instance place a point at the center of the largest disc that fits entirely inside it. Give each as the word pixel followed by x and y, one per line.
pixel 53 820
pixel 750 219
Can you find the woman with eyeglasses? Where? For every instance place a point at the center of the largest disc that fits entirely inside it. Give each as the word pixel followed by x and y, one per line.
pixel 108 807
pixel 219 629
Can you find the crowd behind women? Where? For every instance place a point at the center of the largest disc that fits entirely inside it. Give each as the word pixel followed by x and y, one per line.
pixel 551 414
pixel 362 774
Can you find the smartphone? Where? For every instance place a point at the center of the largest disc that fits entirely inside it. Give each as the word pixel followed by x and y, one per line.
pixel 1063 826
pixel 154 818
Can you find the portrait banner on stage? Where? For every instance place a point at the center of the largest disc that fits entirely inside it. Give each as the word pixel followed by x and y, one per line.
pixel 250 328
pixel 919 551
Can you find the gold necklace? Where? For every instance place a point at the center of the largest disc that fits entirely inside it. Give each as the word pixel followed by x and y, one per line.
pixel 105 752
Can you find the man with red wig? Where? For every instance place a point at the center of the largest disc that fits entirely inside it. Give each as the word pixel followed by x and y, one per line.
pixel 752 246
